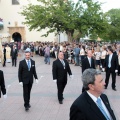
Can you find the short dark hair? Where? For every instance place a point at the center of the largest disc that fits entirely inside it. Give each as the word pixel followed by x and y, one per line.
pixel 110 48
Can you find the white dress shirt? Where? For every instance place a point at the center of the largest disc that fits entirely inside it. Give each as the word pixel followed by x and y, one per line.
pixel 119 59
pixel 103 105
pixel 89 59
pixel 27 62
pixel 109 62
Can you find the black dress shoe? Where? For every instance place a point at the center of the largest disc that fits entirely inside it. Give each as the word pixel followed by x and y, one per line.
pixel 61 102
pixel 114 89
pixel 27 108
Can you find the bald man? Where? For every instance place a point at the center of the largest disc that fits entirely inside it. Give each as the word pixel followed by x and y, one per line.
pixel 59 70
pixel 88 62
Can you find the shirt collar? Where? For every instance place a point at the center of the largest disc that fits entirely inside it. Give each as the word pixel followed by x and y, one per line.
pixel 93 97
pixel 27 60
pixel 111 54
pixel 88 57
pixel 61 59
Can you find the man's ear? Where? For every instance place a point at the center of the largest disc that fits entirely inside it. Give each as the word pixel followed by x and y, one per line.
pixel 91 87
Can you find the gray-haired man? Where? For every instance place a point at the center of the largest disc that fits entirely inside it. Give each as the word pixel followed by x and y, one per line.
pixel 92 104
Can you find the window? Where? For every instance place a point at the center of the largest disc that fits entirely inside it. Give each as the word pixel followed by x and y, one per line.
pixel 15 2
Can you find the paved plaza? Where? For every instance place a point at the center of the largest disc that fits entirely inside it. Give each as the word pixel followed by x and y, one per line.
pixel 44 101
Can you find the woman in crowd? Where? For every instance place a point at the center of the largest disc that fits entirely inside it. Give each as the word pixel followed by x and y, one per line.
pixel 97 57
pixel 65 54
pixel 32 50
pixel 103 55
pixel 8 51
pixel 82 53
pixel 47 54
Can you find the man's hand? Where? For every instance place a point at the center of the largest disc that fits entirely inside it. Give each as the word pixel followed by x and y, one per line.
pixel 71 76
pixel 103 69
pixel 5 96
pixel 55 80
pixel 21 84
pixel 116 71
pixel 36 81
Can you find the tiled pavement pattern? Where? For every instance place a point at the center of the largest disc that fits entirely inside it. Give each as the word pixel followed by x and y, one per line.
pixel 44 101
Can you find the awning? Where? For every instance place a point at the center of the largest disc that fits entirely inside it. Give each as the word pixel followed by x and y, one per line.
pixel 4 35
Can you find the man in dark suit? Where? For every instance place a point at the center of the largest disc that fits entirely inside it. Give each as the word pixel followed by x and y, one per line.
pixel 14 54
pixel 4 56
pixel 88 62
pixel 2 85
pixel 25 74
pixel 59 70
pixel 92 104
pixel 111 67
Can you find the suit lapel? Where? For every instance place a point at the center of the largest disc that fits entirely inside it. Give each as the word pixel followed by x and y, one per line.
pixel 61 63
pixel 107 106
pixel 31 64
pixel 94 107
pixel 25 64
pixel 88 62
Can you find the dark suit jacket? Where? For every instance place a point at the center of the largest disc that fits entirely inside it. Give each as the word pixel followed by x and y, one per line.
pixel 24 75
pixel 84 108
pixel 13 53
pixel 4 52
pixel 114 63
pixel 86 65
pixel 2 83
pixel 59 72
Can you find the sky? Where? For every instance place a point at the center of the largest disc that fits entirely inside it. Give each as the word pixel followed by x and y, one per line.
pixel 108 4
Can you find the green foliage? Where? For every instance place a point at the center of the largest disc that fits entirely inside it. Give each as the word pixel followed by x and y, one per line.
pixel 113 28
pixel 85 16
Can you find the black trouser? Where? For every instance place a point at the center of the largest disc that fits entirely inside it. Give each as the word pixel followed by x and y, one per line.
pixel 26 93
pixel 4 61
pixel 108 72
pixel 102 62
pixel 61 87
pixel 14 61
pixel 119 70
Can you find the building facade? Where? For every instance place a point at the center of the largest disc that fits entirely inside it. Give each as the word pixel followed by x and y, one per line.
pixel 13 27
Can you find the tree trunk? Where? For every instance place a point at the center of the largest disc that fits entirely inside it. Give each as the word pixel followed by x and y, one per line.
pixel 70 35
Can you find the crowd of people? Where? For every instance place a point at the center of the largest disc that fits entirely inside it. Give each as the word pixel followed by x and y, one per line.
pixel 74 53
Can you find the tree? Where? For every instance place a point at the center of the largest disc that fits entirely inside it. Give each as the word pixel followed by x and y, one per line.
pixel 113 29
pixel 58 16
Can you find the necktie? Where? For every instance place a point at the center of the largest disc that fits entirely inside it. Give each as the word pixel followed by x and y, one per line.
pixel 28 65
pixel 109 64
pixel 63 63
pixel 102 109
pixel 90 61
